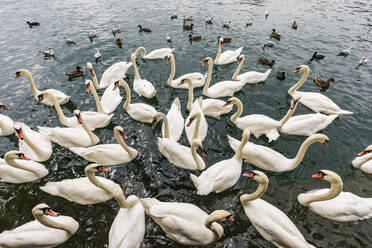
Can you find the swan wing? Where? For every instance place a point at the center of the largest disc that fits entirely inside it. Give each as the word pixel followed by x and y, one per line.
pixel 224 88
pixel 320 103
pixel 257 124
pixel 253 77
pixel 110 99
pixel 229 56
pixel 61 97
pixel 10 174
pixel 214 108
pixel 114 73
pixel 6 125
pixel 176 121
pixel 144 88
pixel 142 112
pixel 160 53
pixel 96 120
pixel 197 79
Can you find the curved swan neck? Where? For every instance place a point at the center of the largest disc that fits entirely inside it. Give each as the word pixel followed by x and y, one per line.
pixel 127 92
pixel 191 97
pixel 94 78
pixel 195 156
pixel 96 99
pixel 287 116
pixel 122 143
pixel 236 73
pixel 299 83
pixel 15 164
pixel 91 135
pixel 245 138
pixel 218 52
pixel 61 116
pixel 49 222
pixel 93 179
pixel 121 199
pixel 196 129
pixel 301 152
pixel 166 125
pixel 209 76
pixel 238 112
pixel 262 187
pixel 32 82
pixel 136 73
pixel 31 144
pixel 335 190
pixel 173 71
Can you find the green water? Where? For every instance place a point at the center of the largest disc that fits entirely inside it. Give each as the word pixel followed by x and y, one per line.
pixel 324 26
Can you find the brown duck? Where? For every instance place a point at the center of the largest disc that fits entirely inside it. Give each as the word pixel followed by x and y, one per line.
pixel 294 25
pixel 322 83
pixel 118 41
pixel 275 35
pixel 75 74
pixel 225 39
pixel 266 61
pixel 188 27
pixel 198 37
pixel 143 29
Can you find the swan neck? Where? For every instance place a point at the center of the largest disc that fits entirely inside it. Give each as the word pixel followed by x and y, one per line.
pixel 122 143
pixel 195 156
pixel 127 92
pixel 96 99
pixel 49 222
pixel 166 126
pixel 196 129
pixel 31 144
pixel 287 116
pixel 191 97
pixel 173 71
pixel 238 153
pixel 301 152
pixel 91 135
pixel 32 82
pixel 238 112
pixel 12 162
pixel 95 81
pixel 61 116
pixel 262 187
pixel 335 190
pixel 93 179
pixel 209 76
pixel 218 52
pixel 136 73
pixel 304 77
pixel 236 73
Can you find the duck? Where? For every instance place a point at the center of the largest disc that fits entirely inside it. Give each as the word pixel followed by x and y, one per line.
pixel 108 154
pixel 322 83
pixel 97 55
pixel 143 29
pixel 219 89
pixel 71 137
pixel 208 20
pixel 270 221
pixel 257 123
pixel 188 27
pixel 60 97
pixel 198 79
pixel 274 34
pixel 249 23
pixel 333 203
pixel 6 123
pixel 223 174
pixel 187 18
pixel 75 74
pixel 49 229
pixel 186 223
pixel 280 75
pixel 84 190
pixel 226 25
pixel 168 38
pixel 118 41
pixel 225 39
pixel 160 53
pixel 17 168
pixel 33 24
pixel 250 77
pixel 92 35
pixel 317 56
pixel 313 100
pixel 294 25
pixel 345 52
pixel 227 57
pixel 199 128
pixel 173 16
pixel 266 62
pixel 141 86
pixel 92 119
pixel 363 161
pixel 270 160
pixel 268 43
pixel 34 145
pixel 266 14
pixel 116 30
pixel 211 107
pixel 138 111
pixel 363 61
pixel 69 41
pixel 48 53
pixel 194 38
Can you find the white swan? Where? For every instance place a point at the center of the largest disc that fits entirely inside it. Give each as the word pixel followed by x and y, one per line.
pixel 199 128
pixel 17 168
pixel 222 175
pixel 186 223
pixel 48 230
pixel 220 89
pixel 250 77
pixel 268 159
pixel 138 111
pixel 113 98
pixel 71 137
pixel 313 100
pixel 173 119
pixel 363 161
pixel 92 119
pixel 34 145
pixel 6 124
pixel 227 57
pixel 108 154
pixel 61 97
pixel 83 190
pixel 334 204
pixel 128 228
pixel 270 221
pixel 141 86
pixel 211 107
pixel 160 53
pixel 177 154
pixel 259 124
pixel 111 74
pixel 198 79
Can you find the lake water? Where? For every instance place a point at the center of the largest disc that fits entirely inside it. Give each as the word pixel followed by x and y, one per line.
pixel 324 26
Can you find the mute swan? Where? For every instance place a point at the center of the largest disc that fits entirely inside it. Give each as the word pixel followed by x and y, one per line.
pixel 138 111
pixel 222 175
pixel 142 87
pixel 34 145
pixel 314 101
pixel 186 223
pixel 128 228
pixel 108 154
pixel 177 154
pixel 259 124
pixel 17 168
pixel 6 124
pixel 334 204
pixel 211 107
pixel 200 128
pixel 220 89
pixel 270 221
pixel 198 79
pixel 227 57
pixel 61 97
pixel 112 97
pixel 173 119
pixel 250 77
pixel 363 161
pixel 48 230
pixel 92 119
pixel 268 159
pixel 83 190
pixel 160 53
pixel 71 137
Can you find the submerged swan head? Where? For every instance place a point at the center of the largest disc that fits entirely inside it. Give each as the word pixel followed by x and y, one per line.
pixel 258 176
pixel 302 68
pixel 328 175
pixel 43 209
pixel 15 155
pixel 366 151
pixel 193 117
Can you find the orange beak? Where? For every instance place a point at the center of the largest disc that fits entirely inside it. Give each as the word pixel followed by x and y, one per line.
pixel 22 156
pixel 154 122
pixel 189 123
pixel 180 83
pixel 295 71
pixel 123 135
pixel 116 85
pixel 221 45
pixel 231 219
pixel 92 72
pixel 239 61
pixel 18 75
pixel 5 108
pixel 51 213
pixel 250 175
pixel 103 169
pixel 362 153
pixel 317 175
pixel 39 99
pixel 168 60
pixel 87 88
pixel 325 143
pixel 20 134
pixel 79 119
pixel 202 153
pixel 204 63
pixel 226 103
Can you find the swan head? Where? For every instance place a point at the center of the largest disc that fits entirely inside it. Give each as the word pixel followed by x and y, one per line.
pixel 219 215
pixel 295 100
pixel 93 168
pixel 78 116
pixel 18 129
pixel 232 100
pixel 199 147
pixel 185 81
pixel 119 129
pixel 193 117
pixel 321 138
pixel 16 155
pixel 21 72
pixel 328 175
pixel 43 209
pixel 220 41
pixel 42 96
pixel 301 68
pixel 206 61
pixel 169 58
pixel 368 150
pixel 258 176
pixel 156 119
pixel 2 106
pixel 88 85
pixel 240 59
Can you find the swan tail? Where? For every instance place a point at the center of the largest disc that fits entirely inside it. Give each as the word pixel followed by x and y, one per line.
pixel 45 131
pixel 50 188
pixel 234 143
pixel 202 183
pixel 273 134
pixel 331 118
pixel 194 180
pixel 344 112
pixel 148 202
pixel 239 50
pixel 177 103
pixel 267 73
